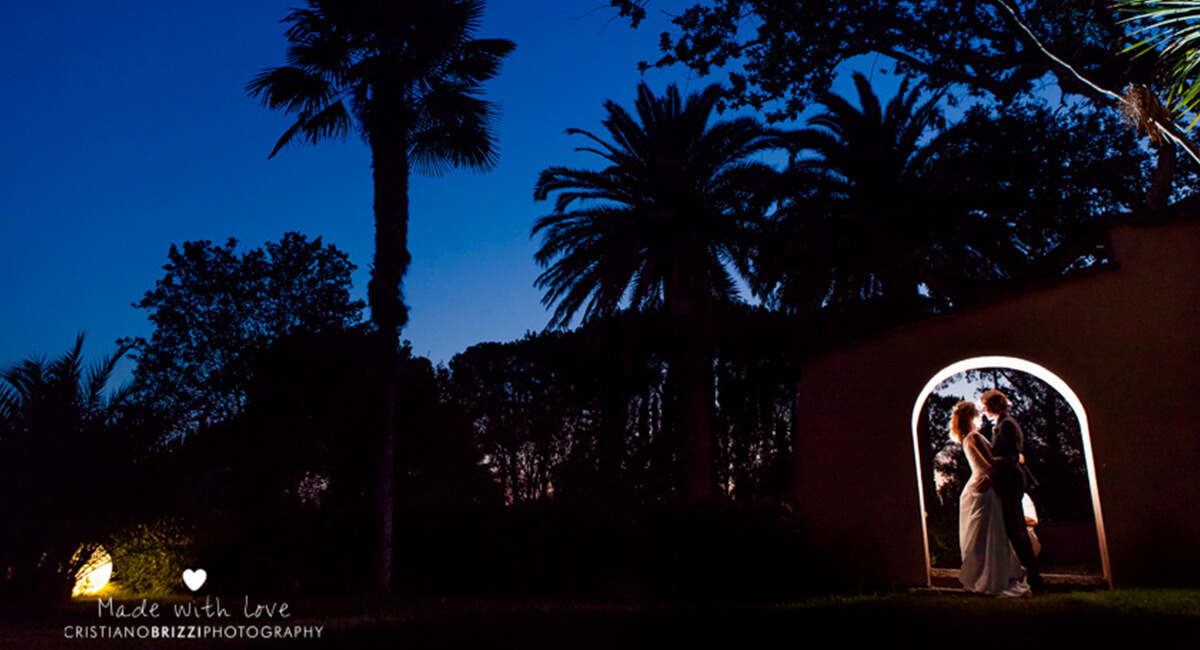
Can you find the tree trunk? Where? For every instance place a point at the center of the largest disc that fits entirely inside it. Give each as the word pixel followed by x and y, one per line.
pixel 695 382
pixel 1164 175
pixel 388 314
pixel 689 309
pixel 614 431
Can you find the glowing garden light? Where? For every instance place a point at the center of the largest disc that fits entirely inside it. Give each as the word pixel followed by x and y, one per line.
pixel 95 574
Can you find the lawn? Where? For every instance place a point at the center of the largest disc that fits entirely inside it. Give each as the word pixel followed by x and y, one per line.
pixel 1147 618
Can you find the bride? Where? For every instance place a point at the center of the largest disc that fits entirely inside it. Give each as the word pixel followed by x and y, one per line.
pixel 989 565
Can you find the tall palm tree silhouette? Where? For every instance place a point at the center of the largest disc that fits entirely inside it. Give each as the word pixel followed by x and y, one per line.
pixel 664 225
pixel 863 208
pixel 407 75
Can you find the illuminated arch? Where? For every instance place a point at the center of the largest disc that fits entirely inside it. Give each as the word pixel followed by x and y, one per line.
pixel 1012 363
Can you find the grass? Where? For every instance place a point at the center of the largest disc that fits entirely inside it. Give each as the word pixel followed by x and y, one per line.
pixel 1145 617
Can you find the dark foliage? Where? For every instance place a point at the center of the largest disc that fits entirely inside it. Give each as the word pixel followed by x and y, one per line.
pixel 581 416
pixel 891 213
pixel 523 398
pixel 859 220
pixel 758 369
pixel 62 454
pixel 215 309
pixel 781 54
pixel 1042 205
pixel 280 489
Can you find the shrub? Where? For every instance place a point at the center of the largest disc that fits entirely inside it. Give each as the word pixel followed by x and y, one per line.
pixel 149 558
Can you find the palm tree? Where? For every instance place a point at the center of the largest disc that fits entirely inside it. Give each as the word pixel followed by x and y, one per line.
pixel 1172 30
pixel 407 75
pixel 861 212
pixel 662 226
pixel 56 452
pixel 890 215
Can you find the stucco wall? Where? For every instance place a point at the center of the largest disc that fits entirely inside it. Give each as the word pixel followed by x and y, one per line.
pixel 1123 339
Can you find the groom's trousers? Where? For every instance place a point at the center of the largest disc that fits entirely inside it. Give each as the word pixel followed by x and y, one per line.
pixel 1018 533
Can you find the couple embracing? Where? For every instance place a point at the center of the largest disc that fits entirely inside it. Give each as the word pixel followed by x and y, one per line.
pixel 997 555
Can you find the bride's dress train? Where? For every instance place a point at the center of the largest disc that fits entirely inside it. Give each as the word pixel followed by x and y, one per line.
pixel 989 565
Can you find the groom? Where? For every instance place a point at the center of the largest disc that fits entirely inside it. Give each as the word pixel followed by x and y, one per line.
pixel 1010 479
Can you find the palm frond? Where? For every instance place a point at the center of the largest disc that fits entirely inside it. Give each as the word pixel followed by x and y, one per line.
pixel 382 64
pixel 99 374
pixel 675 190
pixel 453 129
pixel 291 89
pixel 9 403
pixel 849 222
pixel 581 184
pixel 1169 29
pixel 332 120
pixel 480 60
pixel 66 372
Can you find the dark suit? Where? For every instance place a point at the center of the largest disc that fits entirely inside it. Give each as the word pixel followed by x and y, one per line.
pixel 1010 479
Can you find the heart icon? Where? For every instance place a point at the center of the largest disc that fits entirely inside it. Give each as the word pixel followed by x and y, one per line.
pixel 194 579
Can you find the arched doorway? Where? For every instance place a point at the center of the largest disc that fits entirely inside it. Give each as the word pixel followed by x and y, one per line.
pixel 921 450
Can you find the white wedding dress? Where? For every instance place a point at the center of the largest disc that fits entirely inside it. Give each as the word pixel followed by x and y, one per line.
pixel 989 565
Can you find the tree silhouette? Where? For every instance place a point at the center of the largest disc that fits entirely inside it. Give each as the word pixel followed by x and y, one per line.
pixel 408 76
pixel 1021 213
pixel 864 215
pixel 782 55
pixel 892 214
pixel 578 415
pixel 523 400
pixel 661 225
pixel 283 481
pixel 621 372
pixel 215 309
pixel 757 377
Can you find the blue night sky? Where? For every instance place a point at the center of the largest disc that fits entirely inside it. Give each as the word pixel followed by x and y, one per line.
pixel 127 129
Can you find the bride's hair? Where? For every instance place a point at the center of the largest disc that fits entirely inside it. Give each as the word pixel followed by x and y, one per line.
pixel 962 421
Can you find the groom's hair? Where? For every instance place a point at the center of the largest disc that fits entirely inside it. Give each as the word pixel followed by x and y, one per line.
pixel 995 401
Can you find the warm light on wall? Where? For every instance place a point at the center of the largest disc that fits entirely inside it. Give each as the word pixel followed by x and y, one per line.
pixel 93 576
pixel 1057 384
